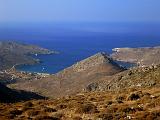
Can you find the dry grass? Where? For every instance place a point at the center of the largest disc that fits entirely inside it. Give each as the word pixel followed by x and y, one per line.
pixel 127 104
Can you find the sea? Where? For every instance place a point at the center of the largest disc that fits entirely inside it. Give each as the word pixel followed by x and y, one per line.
pixel 77 41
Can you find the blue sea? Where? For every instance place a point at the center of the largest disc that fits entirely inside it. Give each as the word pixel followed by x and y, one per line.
pixel 77 41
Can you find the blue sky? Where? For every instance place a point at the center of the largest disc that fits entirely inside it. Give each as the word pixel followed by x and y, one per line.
pixel 80 10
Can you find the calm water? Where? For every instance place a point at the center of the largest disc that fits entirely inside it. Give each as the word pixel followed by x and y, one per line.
pixel 78 41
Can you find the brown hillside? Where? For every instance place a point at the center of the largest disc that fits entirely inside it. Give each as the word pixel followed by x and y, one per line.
pixel 73 79
pixel 140 77
pixel 135 104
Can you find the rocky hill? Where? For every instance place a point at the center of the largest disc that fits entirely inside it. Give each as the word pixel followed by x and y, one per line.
pixel 145 56
pixel 140 77
pixel 101 61
pixel 13 53
pixel 73 79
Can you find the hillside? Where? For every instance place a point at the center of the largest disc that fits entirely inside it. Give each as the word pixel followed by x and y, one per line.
pixel 140 77
pixel 73 79
pixel 95 88
pixel 130 94
pixel 145 56
pixel 135 104
pixel 101 61
pixel 8 95
pixel 14 53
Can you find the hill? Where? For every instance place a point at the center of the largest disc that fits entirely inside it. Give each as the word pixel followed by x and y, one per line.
pixel 141 104
pixel 145 56
pixel 139 77
pixel 10 50
pixel 130 94
pixel 73 79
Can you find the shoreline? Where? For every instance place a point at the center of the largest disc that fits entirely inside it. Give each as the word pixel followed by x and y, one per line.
pixel 37 61
pixel 127 65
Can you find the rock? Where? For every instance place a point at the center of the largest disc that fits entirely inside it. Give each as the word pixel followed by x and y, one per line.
pixel 151 83
pixel 92 87
pixel 133 96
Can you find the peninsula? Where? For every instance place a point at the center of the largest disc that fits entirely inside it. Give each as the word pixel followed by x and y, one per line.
pixel 15 53
pixel 144 56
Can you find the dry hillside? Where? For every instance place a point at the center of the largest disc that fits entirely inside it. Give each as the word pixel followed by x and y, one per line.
pixel 135 104
pixel 71 80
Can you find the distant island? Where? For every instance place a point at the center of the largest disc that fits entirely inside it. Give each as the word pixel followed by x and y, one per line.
pixel 144 56
pixel 15 53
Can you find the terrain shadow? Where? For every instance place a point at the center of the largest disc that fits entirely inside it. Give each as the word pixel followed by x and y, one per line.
pixel 8 95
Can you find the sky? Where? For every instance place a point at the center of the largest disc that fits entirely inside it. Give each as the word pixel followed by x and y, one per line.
pixel 79 10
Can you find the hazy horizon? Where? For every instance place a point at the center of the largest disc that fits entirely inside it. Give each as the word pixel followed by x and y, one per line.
pixel 79 11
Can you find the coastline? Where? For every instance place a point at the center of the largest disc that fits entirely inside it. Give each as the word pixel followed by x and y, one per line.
pixel 36 61
pixel 142 56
